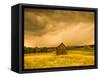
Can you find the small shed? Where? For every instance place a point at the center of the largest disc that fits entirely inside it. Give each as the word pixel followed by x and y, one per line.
pixel 61 49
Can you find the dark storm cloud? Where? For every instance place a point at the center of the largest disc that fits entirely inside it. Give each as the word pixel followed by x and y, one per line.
pixel 32 24
pixel 41 21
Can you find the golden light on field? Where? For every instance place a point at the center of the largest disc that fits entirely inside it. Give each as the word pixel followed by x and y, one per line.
pixel 49 28
pixel 50 60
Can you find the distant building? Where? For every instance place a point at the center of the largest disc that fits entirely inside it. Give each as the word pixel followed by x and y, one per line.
pixel 61 49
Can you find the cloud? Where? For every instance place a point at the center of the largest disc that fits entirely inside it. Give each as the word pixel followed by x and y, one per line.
pixel 56 26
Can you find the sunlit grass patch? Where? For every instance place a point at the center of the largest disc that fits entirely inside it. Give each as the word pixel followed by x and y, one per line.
pixel 49 60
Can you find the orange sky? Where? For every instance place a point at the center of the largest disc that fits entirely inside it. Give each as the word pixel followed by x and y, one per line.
pixel 49 28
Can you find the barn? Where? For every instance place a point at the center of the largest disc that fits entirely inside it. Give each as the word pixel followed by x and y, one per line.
pixel 61 49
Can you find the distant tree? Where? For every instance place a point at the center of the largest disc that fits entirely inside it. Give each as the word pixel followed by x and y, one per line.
pixel 36 49
pixel 44 49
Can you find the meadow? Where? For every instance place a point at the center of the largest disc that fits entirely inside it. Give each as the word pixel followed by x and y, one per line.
pixel 73 57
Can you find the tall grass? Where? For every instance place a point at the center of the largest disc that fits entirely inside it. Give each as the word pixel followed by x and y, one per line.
pixel 79 57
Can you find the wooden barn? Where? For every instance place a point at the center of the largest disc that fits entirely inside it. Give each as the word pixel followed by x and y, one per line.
pixel 61 49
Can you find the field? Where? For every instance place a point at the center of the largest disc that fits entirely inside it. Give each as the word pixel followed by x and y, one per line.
pixel 79 57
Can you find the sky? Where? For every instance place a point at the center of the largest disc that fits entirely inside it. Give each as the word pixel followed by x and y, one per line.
pixel 49 28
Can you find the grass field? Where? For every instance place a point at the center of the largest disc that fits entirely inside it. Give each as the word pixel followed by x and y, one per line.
pixel 77 57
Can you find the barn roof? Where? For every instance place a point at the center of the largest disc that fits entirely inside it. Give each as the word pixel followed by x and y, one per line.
pixel 61 46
